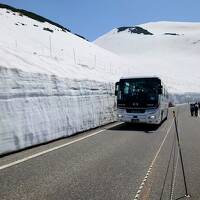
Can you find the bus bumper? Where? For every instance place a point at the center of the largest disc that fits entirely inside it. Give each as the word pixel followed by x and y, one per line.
pixel 137 119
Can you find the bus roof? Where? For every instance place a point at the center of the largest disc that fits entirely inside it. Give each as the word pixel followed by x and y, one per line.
pixel 138 77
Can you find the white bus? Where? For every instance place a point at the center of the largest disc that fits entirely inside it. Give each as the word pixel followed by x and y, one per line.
pixel 141 100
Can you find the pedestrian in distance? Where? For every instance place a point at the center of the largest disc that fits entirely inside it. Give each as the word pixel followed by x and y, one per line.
pixel 196 109
pixel 192 109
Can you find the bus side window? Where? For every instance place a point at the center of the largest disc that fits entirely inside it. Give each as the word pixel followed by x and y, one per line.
pixel 116 88
pixel 126 88
pixel 160 90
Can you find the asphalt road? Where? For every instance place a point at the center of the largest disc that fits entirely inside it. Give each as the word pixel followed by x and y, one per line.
pixel 115 164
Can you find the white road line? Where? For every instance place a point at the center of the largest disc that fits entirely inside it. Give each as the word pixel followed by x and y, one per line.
pixel 54 148
pixel 152 163
pixel 174 178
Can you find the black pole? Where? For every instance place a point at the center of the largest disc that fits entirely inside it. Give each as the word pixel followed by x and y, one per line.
pixel 180 153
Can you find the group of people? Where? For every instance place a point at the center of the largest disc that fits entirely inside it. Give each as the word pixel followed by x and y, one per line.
pixel 194 109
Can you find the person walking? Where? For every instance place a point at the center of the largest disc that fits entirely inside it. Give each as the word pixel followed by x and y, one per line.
pixel 196 109
pixel 192 109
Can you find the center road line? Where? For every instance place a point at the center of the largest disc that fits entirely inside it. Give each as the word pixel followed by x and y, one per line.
pixel 55 148
pixel 152 163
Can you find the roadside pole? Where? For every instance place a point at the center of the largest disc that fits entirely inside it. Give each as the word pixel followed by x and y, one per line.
pixel 181 157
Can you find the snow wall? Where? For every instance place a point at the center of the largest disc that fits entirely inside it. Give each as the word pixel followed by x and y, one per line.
pixel 36 108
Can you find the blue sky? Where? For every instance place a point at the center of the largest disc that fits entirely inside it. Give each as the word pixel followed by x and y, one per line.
pixel 92 18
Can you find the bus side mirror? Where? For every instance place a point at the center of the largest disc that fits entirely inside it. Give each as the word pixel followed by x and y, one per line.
pixel 116 88
pixel 160 89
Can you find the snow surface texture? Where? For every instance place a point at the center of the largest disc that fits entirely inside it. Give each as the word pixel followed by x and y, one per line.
pixel 37 108
pixel 52 83
pixel 167 49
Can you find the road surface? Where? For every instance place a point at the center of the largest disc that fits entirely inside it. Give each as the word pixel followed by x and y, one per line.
pixel 115 162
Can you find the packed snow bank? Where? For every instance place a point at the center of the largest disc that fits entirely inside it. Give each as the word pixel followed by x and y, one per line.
pixel 37 108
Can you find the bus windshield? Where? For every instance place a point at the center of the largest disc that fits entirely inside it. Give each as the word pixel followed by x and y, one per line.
pixel 139 92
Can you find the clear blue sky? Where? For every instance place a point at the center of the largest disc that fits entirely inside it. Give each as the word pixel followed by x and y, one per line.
pixel 92 18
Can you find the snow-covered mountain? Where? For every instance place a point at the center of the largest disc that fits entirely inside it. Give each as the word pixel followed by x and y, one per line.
pixel 167 49
pixel 52 83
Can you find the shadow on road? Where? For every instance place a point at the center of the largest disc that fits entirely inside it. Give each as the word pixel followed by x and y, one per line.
pixel 147 128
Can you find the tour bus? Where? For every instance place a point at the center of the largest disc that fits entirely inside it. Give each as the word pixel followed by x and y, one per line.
pixel 141 100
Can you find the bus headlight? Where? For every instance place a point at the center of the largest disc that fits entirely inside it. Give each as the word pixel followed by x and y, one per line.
pixel 152 117
pixel 120 116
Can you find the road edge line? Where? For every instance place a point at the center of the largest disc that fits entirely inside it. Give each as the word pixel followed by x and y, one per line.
pixel 55 148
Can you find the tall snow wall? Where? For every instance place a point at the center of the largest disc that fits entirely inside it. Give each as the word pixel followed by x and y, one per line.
pixel 36 108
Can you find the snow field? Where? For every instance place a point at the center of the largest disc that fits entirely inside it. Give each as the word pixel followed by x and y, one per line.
pixel 172 52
